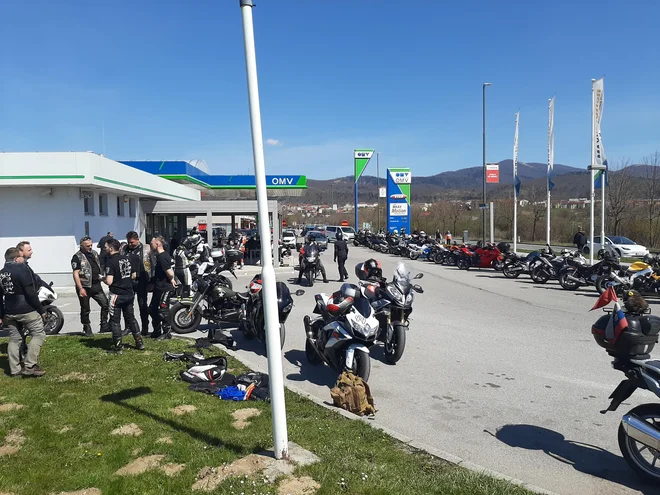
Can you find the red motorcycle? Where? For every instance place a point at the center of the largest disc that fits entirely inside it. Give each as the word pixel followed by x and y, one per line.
pixel 488 257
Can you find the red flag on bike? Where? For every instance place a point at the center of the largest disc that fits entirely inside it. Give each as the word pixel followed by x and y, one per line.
pixel 605 298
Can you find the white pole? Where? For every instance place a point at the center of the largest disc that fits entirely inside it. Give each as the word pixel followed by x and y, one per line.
pixel 593 162
pixel 492 222
pixel 276 378
pixel 550 165
pixel 602 192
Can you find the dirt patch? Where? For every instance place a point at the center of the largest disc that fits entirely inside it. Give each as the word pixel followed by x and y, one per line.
pixel 172 469
pixel 66 394
pixel 242 417
pixel 165 440
pixel 75 376
pixel 130 430
pixel 136 452
pixel 85 491
pixel 64 429
pixel 13 442
pixel 208 479
pixel 11 406
pixel 303 485
pixel 141 465
pixel 6 493
pixel 184 409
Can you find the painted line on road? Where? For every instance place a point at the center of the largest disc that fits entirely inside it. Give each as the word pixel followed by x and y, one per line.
pixel 458 461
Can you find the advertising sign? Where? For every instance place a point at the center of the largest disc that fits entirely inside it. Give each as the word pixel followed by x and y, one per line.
pixel 492 173
pixel 398 199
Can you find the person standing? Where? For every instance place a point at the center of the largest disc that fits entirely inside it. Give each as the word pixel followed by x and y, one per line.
pixel 448 237
pixel 163 286
pixel 580 239
pixel 144 269
pixel 86 266
pixel 103 256
pixel 120 271
pixel 25 249
pixel 22 313
pixel 341 255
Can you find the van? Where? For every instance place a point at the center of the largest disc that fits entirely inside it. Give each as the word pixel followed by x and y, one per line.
pixel 348 233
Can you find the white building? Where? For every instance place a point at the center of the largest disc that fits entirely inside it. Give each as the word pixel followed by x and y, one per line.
pixel 54 199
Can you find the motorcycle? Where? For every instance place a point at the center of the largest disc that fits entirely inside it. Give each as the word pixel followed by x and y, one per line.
pixel 54 320
pixel 577 273
pixel 310 263
pixel 253 324
pixel 394 318
pixel 639 430
pixel 640 276
pixel 344 330
pixel 514 264
pixel 547 265
pixel 212 300
pixel 488 257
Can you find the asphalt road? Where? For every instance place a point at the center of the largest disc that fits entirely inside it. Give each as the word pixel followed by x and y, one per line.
pixel 502 373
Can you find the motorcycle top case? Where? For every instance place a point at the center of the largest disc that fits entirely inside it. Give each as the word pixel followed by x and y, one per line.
pixel 233 255
pixel 635 342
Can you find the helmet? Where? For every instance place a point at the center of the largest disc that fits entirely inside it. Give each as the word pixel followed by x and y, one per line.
pixel 339 236
pixel 422 233
pixel 396 232
pixel 195 239
pixel 310 238
pixel 370 269
pixel 349 290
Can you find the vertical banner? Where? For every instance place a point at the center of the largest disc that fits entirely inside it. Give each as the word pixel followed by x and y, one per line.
pixel 551 142
pixel 360 160
pixel 516 180
pixel 598 150
pixel 493 173
pixel 398 199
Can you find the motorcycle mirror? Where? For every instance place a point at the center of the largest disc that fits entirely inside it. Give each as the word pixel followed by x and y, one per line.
pixel 50 284
pixel 418 288
pixel 419 275
pixel 299 292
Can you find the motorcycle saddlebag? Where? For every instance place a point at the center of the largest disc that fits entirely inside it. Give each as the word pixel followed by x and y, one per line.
pixel 635 342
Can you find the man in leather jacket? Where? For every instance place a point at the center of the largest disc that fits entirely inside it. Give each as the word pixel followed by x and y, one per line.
pixel 87 275
pixel 144 260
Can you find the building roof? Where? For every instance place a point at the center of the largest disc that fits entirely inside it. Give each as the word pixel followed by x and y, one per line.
pixel 87 170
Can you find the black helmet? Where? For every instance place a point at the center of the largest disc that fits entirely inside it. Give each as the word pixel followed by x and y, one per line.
pixel 370 269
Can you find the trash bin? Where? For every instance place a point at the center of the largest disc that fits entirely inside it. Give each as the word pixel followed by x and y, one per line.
pixel 465 237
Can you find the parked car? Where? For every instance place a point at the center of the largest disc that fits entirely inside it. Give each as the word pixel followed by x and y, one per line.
pixel 332 230
pixel 289 238
pixel 623 246
pixel 320 239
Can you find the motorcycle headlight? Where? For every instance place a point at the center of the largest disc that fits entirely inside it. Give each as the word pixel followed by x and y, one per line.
pixel 396 294
pixel 410 298
pixel 310 259
pixel 195 286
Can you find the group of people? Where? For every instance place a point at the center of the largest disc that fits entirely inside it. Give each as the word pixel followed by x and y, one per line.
pixel 128 270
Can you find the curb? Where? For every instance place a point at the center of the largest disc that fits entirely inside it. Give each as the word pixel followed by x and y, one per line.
pixel 445 456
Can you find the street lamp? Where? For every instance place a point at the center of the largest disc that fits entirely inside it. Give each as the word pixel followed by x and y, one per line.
pixel 483 209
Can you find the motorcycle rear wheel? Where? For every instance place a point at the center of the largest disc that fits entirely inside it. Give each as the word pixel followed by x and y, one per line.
pixel 394 349
pixel 413 255
pixel 508 273
pixel 311 354
pixel 634 451
pixel 539 275
pixel 566 283
pixel 463 263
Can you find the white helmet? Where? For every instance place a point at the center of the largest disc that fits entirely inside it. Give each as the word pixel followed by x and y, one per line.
pixel 422 233
pixel 396 232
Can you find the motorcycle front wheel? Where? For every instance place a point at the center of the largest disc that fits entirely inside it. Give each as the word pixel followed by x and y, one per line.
pixel 310 278
pixel 413 255
pixel 182 321
pixel 361 365
pixel 539 275
pixel 463 263
pixel 641 458
pixel 394 349
pixel 54 320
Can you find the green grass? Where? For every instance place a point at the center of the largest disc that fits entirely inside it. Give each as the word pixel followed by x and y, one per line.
pixel 141 388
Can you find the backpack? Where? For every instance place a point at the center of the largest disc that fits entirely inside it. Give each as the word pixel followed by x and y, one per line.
pixel 353 394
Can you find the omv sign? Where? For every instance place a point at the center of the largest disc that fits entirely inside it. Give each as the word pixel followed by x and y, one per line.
pixel 401 177
pixel 281 181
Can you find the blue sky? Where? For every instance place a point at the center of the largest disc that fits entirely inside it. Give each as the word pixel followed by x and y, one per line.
pixel 167 80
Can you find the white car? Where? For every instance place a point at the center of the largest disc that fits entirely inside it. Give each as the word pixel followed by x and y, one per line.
pixel 289 238
pixel 348 233
pixel 623 246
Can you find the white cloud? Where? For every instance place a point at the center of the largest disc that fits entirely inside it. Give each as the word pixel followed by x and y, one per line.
pixel 273 142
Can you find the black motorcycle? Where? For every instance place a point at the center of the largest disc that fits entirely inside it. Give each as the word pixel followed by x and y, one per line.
pixel 254 323
pixel 514 264
pixel 212 300
pixel 576 273
pixel 310 262
pixel 393 318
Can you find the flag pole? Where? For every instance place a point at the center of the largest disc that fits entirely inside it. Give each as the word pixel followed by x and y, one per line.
pixel 551 138
pixel 603 174
pixel 593 162
pixel 272 321
pixel 515 186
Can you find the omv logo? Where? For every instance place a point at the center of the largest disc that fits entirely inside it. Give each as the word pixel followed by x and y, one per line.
pixel 401 177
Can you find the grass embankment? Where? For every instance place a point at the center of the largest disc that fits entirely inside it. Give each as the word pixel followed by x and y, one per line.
pixel 56 433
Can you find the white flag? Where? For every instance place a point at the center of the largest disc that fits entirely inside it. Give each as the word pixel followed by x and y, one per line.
pixel 599 102
pixel 551 141
pixel 516 181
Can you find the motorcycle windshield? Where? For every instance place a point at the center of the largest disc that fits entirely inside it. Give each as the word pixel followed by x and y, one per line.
pixel 312 251
pixel 402 278
pixel 362 306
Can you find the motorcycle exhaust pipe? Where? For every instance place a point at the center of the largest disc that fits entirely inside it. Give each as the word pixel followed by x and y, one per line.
pixel 574 279
pixel 641 431
pixel 308 327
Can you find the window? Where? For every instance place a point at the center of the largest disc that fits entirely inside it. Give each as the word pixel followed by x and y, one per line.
pixel 88 203
pixel 120 206
pixel 131 207
pixel 103 205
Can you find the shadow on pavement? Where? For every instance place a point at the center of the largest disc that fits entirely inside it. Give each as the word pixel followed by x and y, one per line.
pixel 119 398
pixel 585 458
pixel 319 374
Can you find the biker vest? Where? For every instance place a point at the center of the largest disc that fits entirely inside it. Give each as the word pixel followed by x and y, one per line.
pixel 145 258
pixel 86 268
